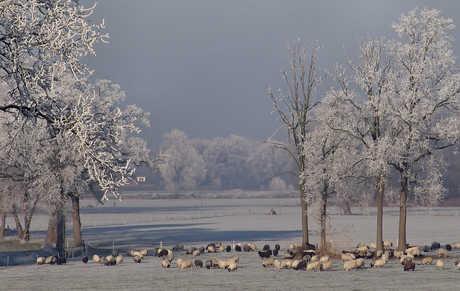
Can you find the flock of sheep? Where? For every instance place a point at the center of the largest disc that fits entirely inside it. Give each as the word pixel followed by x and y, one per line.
pixel 296 257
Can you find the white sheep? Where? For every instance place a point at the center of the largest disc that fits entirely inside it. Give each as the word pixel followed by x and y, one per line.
pixel 359 263
pixel 139 254
pixel 397 254
pixel 379 263
pixel 350 265
pixel 232 267
pixel 324 258
pixel 373 246
pixel 96 258
pixel 268 262
pixel 404 258
pixel 347 257
pixel 235 258
pixel 288 264
pixel 440 264
pixel 222 249
pixel 284 263
pixel 387 244
pixel 41 260
pixel 222 264
pixel 458 266
pixel 144 252
pixel 165 263
pixel 327 265
pixel 415 251
pixel 295 246
pixel 277 264
pixel 252 246
pixel 427 260
pixel 386 256
pixel 119 259
pixel 196 253
pixel 442 253
pixel 314 258
pixel 186 264
pixel 314 266
pixel 295 263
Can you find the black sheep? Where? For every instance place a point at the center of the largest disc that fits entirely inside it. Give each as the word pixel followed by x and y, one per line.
pixel 84 259
pixel 277 247
pixel 199 263
pixel 275 252
pixel 265 254
pixel 163 253
pixel 310 246
pixel 448 247
pixel 61 261
pixel 302 265
pixel 237 248
pixel 426 248
pixel 228 249
pixel 435 245
pixel 266 247
pixel 246 248
pixel 409 265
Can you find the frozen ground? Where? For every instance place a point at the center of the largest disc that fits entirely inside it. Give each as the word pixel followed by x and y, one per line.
pixel 139 224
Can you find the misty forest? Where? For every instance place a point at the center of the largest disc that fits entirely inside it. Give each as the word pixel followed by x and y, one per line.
pixel 381 129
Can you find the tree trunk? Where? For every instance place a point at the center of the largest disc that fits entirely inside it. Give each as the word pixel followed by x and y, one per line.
pixel 303 203
pixel 379 190
pixel 403 213
pixel 323 221
pixel 18 223
pixel 56 231
pixel 347 208
pixel 2 228
pixel 77 238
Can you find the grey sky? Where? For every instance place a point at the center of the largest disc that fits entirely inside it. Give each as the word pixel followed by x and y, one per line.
pixel 204 66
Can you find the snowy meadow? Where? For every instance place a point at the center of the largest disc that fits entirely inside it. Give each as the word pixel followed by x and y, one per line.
pixel 145 224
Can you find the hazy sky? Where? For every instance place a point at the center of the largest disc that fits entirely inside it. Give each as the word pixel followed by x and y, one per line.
pixel 204 66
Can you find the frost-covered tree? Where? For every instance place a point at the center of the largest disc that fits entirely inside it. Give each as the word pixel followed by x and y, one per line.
pixel 425 87
pixel 293 109
pixel 358 107
pixel 182 167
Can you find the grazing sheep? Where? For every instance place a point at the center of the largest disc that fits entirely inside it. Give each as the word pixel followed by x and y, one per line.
pixel 268 262
pixel 387 244
pixel 275 252
pixel 385 257
pixel 238 248
pixel 350 265
pixel 139 254
pixel 265 254
pixel 51 260
pixel 405 258
pixel 314 258
pixel 41 260
pixel 228 249
pixel 284 263
pixel 252 246
pixel 362 248
pixel 455 245
pixel 198 263
pixel 222 264
pixel 427 260
pixel 222 249
pixel 119 259
pixel 359 263
pixel 426 248
pixel 448 247
pixel 144 253
pixel 161 253
pixel 196 253
pixel 314 266
pixel 457 261
pixel 96 258
pixel 326 265
pixel 277 264
pixel 211 249
pixel 288 255
pixel 232 267
pixel 165 263
pixel 61 261
pixel 415 251
pixel 324 258
pixel 105 261
pixel 409 266
pixel 373 246
pixel 346 257
pixel 295 263
pixel 190 250
pixel 84 259
pixel 378 263
pixel 302 265
pixel 208 264
pixel 185 264
pixel 435 245
pixel 178 247
pixel 442 253
pixel 398 254
pixel 137 259
pixel 440 264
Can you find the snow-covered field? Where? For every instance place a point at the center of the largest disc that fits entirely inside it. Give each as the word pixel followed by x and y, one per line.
pixel 139 224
